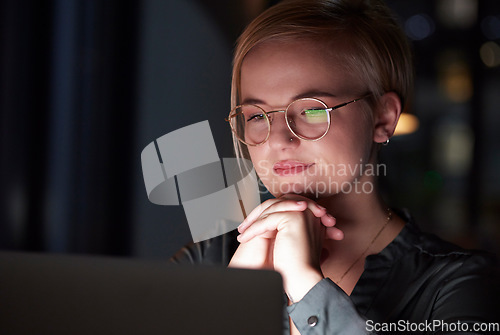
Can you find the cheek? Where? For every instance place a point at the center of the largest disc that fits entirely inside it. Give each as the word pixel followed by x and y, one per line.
pixel 366 136
pixel 264 169
pixel 258 161
pixel 355 134
pixel 254 156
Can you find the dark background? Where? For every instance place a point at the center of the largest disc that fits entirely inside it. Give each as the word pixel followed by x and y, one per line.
pixel 86 85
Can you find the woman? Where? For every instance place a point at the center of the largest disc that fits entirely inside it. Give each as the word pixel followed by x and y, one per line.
pixel 318 87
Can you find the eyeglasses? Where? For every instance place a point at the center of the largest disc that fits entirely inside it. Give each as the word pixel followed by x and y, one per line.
pixel 307 118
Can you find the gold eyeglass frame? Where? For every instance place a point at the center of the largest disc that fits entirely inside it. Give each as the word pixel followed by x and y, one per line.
pixel 232 114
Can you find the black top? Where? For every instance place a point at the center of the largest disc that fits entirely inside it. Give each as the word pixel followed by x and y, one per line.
pixel 418 283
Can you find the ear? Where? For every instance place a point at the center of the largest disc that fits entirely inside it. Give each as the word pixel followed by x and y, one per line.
pixel 387 115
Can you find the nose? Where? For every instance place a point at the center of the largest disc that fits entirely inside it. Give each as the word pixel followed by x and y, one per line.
pixel 280 136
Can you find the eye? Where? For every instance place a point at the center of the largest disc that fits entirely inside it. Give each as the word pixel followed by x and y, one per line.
pixel 256 117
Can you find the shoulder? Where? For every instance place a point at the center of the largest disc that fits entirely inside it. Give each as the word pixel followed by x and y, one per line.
pixel 412 243
pixel 426 261
pixel 461 282
pixel 423 277
pixel 429 249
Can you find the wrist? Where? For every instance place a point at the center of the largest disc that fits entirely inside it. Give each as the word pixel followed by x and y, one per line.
pixel 297 285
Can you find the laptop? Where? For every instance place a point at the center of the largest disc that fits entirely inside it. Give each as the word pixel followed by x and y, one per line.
pixel 62 294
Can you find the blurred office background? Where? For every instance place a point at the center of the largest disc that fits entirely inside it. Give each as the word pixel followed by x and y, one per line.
pixel 87 84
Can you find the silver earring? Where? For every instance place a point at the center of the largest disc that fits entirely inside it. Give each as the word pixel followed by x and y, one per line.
pixel 386 142
pixel 291 139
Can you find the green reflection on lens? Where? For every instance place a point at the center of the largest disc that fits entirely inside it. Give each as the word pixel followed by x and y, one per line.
pixel 316 115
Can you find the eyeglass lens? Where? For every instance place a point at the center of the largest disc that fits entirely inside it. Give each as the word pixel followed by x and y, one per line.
pixel 307 118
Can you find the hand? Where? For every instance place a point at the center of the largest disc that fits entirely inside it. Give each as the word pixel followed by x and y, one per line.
pixel 254 254
pixel 257 251
pixel 286 203
pixel 287 234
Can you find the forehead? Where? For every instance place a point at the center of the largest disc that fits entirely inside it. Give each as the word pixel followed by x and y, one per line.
pixel 277 70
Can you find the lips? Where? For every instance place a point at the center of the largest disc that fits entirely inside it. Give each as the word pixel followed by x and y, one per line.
pixel 290 167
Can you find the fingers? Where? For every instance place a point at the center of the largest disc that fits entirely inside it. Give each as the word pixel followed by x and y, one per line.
pixel 333 233
pixel 328 220
pixel 255 213
pixel 266 224
pixel 285 204
pixel 266 228
pixel 316 209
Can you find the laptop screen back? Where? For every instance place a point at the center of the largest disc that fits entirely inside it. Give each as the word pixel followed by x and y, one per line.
pixel 60 294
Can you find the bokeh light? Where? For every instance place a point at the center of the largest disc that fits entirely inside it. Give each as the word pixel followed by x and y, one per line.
pixel 458 14
pixel 490 54
pixel 455 76
pixel 419 27
pixel 407 124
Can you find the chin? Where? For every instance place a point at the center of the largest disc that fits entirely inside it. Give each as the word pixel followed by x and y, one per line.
pixel 309 189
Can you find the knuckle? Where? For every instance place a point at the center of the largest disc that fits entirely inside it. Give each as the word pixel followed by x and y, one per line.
pixel 296 216
pixel 267 204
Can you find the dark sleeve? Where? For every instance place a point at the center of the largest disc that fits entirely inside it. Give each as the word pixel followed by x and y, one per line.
pixel 215 251
pixel 470 297
pixel 467 302
pixel 326 309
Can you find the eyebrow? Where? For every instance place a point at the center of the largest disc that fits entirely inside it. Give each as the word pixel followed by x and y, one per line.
pixel 307 94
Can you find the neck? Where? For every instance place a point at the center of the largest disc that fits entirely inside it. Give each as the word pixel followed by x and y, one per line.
pixel 361 216
pixel 355 210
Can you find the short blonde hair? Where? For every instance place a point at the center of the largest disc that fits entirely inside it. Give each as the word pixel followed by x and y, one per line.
pixel 379 52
